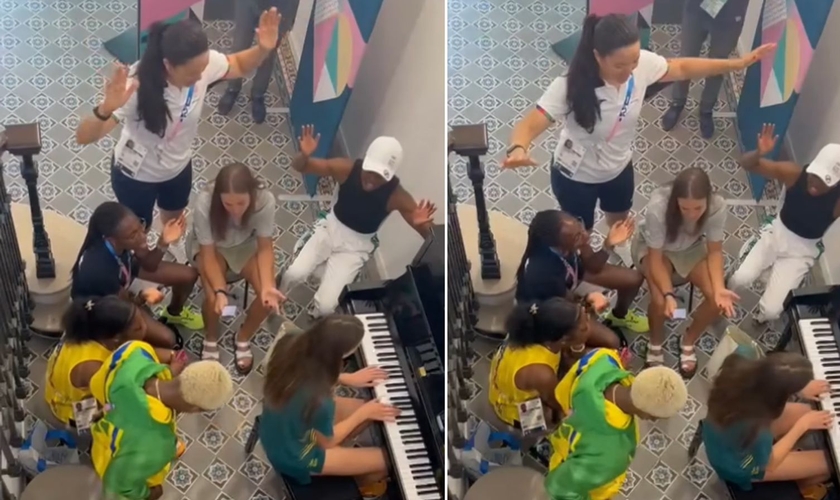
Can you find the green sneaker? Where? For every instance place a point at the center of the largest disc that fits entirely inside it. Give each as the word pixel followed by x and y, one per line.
pixel 188 318
pixel 632 321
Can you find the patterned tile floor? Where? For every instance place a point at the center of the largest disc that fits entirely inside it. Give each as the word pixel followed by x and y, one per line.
pixel 52 63
pixel 499 63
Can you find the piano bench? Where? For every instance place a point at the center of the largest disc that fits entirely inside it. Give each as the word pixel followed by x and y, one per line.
pixel 323 487
pixel 777 490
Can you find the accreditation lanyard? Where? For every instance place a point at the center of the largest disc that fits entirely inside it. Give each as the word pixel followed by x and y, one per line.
pixel 124 274
pixel 631 83
pixel 184 112
pixel 571 269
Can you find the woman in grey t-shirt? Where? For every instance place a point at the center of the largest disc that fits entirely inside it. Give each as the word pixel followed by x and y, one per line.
pixel 681 238
pixel 233 235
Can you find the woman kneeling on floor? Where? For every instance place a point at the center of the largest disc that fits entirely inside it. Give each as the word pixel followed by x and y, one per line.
pixel 304 425
pixel 596 442
pixel 558 258
pixel 234 231
pixel 682 235
pixel 524 368
pixel 135 442
pixel 751 429
pixel 115 253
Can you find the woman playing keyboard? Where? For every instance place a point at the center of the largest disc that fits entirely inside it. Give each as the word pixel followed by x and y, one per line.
pixel 304 424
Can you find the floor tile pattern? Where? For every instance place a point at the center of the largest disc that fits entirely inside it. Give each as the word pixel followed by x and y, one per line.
pixel 500 62
pixel 53 65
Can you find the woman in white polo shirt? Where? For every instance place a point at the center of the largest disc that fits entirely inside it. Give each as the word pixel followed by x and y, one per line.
pixel 601 98
pixel 152 161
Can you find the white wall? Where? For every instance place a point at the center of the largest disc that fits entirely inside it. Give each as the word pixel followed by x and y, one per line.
pixel 814 122
pixel 400 91
pixel 750 25
pixel 298 34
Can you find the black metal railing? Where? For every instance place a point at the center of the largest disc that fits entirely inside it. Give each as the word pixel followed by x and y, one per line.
pixel 462 317
pixel 471 142
pixel 15 302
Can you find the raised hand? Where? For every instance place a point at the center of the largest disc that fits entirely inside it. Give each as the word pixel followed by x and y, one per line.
pixel 268 30
pixel 118 90
pixel 767 138
pixel 308 140
pixel 173 230
pixel 758 54
pixel 423 214
pixel 620 232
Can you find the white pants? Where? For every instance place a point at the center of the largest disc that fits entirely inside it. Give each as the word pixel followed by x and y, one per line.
pixel 788 258
pixel 341 251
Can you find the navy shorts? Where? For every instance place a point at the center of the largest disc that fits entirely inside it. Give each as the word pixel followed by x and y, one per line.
pixel 580 198
pixel 172 195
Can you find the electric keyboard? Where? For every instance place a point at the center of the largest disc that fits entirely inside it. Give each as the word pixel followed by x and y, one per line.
pixel 404 327
pixel 812 316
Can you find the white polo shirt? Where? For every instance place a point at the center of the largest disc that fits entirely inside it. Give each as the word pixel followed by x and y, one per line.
pixel 167 156
pixel 607 150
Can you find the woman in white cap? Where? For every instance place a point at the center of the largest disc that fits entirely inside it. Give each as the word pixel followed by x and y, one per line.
pixel 788 247
pixel 369 192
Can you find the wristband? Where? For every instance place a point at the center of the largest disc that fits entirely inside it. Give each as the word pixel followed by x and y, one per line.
pixel 223 292
pixel 99 116
pixel 670 294
pixel 513 148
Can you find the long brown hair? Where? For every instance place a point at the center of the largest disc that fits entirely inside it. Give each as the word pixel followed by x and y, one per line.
pixel 310 363
pixel 233 178
pixel 694 184
pixel 754 392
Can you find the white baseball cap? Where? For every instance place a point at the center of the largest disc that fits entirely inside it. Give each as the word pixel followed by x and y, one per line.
pixel 826 165
pixel 383 157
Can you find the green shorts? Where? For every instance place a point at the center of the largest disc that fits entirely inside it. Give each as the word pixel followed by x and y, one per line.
pixel 302 470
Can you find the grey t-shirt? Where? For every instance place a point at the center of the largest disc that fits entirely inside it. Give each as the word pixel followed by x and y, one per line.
pixel 655 233
pixel 260 223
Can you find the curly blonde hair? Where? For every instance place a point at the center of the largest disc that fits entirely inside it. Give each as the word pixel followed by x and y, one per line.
pixel 206 384
pixel 659 391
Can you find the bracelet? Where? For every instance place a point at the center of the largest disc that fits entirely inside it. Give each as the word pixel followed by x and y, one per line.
pixel 223 292
pixel 670 294
pixel 99 116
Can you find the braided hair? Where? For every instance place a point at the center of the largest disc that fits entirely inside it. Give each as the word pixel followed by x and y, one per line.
pixel 104 222
pixel 543 232
pixel 97 319
pixel 542 322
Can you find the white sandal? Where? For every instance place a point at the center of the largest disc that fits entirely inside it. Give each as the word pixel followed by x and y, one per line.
pixel 688 357
pixel 209 351
pixel 655 356
pixel 242 353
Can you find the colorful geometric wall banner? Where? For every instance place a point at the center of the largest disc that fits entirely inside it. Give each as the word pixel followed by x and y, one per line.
pixel 335 44
pixel 772 87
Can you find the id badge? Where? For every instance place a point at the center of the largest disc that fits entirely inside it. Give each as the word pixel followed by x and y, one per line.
pixel 84 413
pixel 713 7
pixel 531 416
pixel 129 155
pixel 569 156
